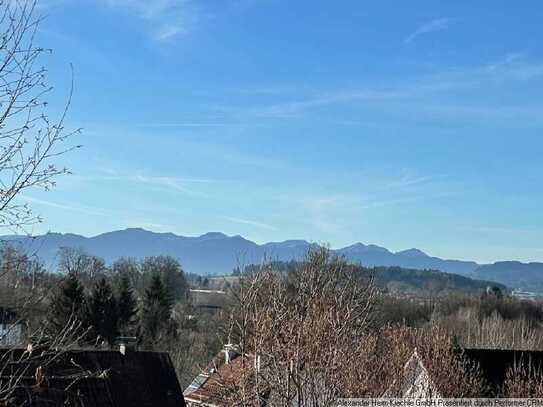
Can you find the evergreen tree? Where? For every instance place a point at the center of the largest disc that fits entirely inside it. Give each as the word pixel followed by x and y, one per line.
pixel 170 271
pixel 102 313
pixel 156 311
pixel 130 268
pixel 126 305
pixel 67 303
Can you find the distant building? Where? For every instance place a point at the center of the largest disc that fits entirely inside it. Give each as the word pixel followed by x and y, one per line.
pixel 11 328
pixel 525 295
pixel 208 300
pixel 11 334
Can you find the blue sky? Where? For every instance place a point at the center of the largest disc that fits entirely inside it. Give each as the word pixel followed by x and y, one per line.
pixel 403 124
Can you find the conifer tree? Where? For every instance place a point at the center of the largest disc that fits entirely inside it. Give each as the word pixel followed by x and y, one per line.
pixel 126 305
pixel 67 303
pixel 156 311
pixel 170 271
pixel 102 312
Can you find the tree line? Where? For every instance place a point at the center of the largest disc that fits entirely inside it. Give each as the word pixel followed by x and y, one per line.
pixel 129 298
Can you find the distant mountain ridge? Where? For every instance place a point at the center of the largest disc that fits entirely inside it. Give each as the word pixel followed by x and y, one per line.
pixel 217 253
pixel 527 276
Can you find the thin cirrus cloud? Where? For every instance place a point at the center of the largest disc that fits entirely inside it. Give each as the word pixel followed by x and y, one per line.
pixel 409 180
pixel 65 206
pixel 249 222
pixel 166 18
pixel 186 124
pixel 170 183
pixel 438 24
pixel 514 66
pixel 427 96
pixel 294 108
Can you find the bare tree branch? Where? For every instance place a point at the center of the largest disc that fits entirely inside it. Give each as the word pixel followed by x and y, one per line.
pixel 29 141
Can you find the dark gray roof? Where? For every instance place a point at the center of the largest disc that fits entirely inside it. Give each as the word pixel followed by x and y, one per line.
pixel 94 379
pixel 494 363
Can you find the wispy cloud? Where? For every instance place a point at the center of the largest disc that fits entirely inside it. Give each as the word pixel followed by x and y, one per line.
pixel 295 108
pixel 410 180
pixel 367 96
pixel 513 66
pixel 336 211
pixel 507 60
pixel 249 222
pixel 65 206
pixel 169 183
pixel 328 212
pixel 166 18
pixel 187 124
pixel 382 202
pixel 438 24
pixel 432 97
pixel 494 229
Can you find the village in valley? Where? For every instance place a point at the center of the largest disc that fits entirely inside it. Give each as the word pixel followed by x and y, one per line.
pixel 131 131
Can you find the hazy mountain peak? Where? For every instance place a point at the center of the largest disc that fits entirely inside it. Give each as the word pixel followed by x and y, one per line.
pixel 212 235
pixel 138 230
pixel 289 243
pixel 378 248
pixel 126 231
pixel 295 241
pixel 412 253
pixel 508 263
pixel 355 247
pixel 361 247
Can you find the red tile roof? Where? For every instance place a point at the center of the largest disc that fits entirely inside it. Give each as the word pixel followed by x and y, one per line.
pixel 220 381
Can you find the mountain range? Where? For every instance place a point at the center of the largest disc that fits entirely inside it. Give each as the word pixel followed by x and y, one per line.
pixel 217 253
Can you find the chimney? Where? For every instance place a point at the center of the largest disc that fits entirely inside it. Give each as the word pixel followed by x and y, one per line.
pixel 230 352
pixel 126 343
pixel 257 363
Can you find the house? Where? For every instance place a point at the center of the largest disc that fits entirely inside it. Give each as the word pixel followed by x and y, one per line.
pixel 11 327
pixel 11 334
pixel 89 378
pixel 223 377
pixel 416 382
pixel 210 301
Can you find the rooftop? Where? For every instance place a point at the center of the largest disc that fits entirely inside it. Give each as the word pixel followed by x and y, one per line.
pixel 92 379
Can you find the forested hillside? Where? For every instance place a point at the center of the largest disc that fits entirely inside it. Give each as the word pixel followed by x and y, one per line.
pixel 402 280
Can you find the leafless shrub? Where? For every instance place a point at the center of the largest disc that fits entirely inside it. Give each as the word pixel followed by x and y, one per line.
pixel 310 335
pixel 451 373
pixel 305 330
pixel 491 332
pixel 523 380
pixel 196 342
